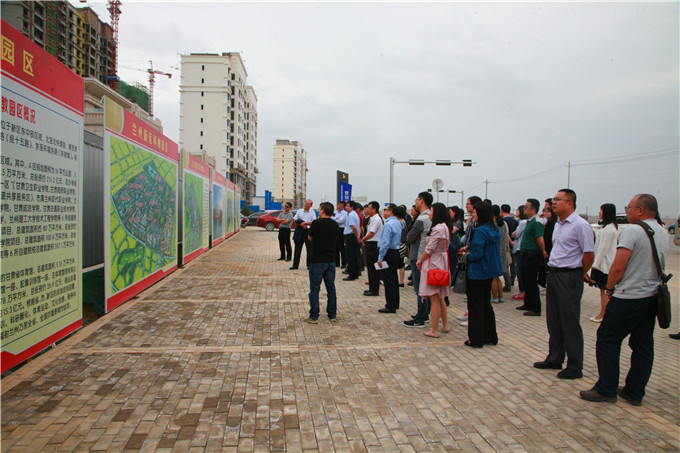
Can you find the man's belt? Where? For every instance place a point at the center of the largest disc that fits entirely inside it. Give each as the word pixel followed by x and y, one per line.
pixel 563 269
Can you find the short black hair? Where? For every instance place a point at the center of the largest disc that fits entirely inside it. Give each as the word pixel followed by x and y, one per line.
pixel 350 204
pixel 473 200
pixel 327 208
pixel 648 202
pixel 289 204
pixel 484 213
pixel 358 206
pixel 571 195
pixel 535 204
pixel 341 203
pixel 549 201
pixel 400 212
pixel 426 197
pixel 375 205
pixel 505 208
pixel 486 200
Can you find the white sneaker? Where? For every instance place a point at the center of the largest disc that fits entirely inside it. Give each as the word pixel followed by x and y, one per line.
pixel 464 323
pixel 463 317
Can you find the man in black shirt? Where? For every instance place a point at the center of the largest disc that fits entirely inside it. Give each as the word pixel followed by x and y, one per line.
pixel 323 240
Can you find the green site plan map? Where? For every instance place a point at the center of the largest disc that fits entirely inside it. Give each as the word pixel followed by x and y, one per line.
pixel 143 213
pixel 193 212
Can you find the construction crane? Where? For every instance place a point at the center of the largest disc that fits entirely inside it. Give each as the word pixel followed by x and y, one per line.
pixel 114 10
pixel 152 81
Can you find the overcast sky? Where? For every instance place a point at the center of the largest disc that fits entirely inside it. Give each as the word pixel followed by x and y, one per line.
pixel 520 88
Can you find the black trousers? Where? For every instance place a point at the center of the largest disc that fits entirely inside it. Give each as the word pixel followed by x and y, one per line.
pixel 371 259
pixel 284 243
pixel 390 278
pixel 340 255
pixel 481 318
pixel 531 261
pixel 352 250
pixel 298 252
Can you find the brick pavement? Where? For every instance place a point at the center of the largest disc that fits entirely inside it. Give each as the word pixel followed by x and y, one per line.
pixel 216 358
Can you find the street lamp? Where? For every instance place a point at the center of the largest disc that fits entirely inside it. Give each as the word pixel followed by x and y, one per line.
pixel 447 163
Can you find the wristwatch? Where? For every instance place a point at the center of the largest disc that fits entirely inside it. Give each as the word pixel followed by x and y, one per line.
pixel 608 292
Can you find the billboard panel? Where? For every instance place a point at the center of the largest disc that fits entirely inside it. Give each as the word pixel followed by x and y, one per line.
pixel 229 202
pixel 140 205
pixel 196 207
pixel 41 200
pixel 218 208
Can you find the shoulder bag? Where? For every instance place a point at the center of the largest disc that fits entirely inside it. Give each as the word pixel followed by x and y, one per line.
pixel 438 277
pixel 663 296
pixel 459 280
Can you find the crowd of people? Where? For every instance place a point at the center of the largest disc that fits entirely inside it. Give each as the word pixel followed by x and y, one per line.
pixel 483 254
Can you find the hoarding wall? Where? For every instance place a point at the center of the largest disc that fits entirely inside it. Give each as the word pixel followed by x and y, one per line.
pixel 41 201
pixel 140 190
pixel 196 207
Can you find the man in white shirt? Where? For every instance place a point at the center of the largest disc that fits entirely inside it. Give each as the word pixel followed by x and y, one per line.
pixel 303 219
pixel 340 216
pixel 370 242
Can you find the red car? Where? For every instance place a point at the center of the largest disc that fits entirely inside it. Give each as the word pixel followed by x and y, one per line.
pixel 270 221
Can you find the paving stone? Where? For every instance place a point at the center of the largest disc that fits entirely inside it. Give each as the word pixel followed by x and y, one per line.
pixel 215 358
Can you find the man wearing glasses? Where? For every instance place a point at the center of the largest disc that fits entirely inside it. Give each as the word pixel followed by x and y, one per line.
pixel 570 260
pixel 632 287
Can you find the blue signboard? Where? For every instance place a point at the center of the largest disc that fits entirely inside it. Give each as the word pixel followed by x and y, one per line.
pixel 345 191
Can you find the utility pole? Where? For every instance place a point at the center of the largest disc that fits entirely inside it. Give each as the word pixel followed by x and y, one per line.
pixel 569 175
pixel 486 190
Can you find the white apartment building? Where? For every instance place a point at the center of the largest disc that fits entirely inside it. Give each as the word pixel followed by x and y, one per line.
pixel 218 115
pixel 290 172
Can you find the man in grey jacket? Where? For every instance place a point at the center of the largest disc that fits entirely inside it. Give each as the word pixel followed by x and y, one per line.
pixel 416 240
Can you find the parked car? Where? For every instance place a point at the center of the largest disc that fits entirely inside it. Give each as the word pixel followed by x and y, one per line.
pixel 270 221
pixel 252 218
pixel 673 226
pixel 676 238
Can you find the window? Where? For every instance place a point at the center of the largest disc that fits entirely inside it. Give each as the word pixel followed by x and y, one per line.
pixel 202 67
pixel 201 146
pixel 201 94
pixel 201 133
pixel 201 106
pixel 202 80
pixel 201 120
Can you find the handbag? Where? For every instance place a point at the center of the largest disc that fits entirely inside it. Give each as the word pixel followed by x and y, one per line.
pixel 459 285
pixel 438 277
pixel 663 296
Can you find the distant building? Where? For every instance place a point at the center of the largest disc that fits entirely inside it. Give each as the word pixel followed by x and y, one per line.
pixel 75 36
pixel 290 172
pixel 218 114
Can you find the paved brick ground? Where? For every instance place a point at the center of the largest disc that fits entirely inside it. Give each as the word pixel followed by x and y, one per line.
pixel 216 358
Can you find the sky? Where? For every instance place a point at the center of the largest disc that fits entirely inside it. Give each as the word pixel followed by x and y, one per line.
pixel 522 89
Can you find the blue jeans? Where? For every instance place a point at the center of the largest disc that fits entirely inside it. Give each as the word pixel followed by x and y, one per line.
pixel 317 272
pixel 623 317
pixel 423 302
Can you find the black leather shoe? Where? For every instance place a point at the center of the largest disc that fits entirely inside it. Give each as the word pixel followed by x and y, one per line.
pixel 623 394
pixel 288 259
pixel 675 336
pixel 349 279
pixel 592 395
pixel 280 259
pixel 345 271
pixel 522 307
pixel 293 268
pixel 467 343
pixel 531 313
pixel 370 293
pixel 548 365
pixel 568 373
pixel 386 310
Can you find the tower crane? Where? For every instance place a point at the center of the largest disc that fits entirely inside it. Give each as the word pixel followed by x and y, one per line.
pixel 152 81
pixel 114 10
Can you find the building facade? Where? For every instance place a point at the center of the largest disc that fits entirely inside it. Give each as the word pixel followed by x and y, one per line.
pixel 290 172
pixel 218 115
pixel 75 36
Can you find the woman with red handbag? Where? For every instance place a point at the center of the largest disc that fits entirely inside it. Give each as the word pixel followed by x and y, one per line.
pixel 483 265
pixel 434 266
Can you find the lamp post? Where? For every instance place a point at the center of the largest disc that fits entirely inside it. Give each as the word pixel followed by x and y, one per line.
pixel 461 192
pixel 446 163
